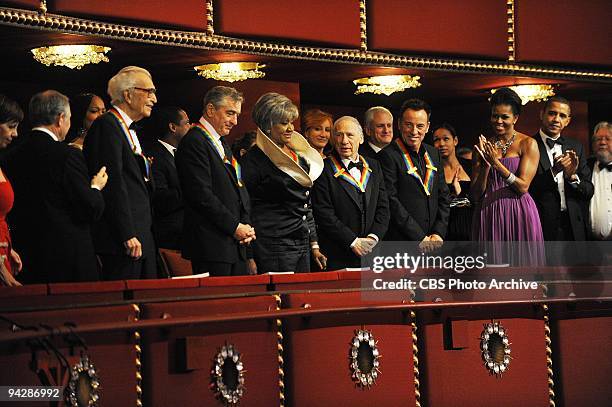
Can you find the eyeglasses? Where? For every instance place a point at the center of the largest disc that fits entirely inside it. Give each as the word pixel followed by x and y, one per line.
pixel 150 92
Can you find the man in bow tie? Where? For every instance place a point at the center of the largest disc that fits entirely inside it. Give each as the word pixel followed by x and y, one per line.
pixel 561 187
pixel 349 201
pixel 601 167
pixel 123 237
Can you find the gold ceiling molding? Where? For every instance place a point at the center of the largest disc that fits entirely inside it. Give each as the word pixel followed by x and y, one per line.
pixel 511 38
pixel 363 26
pixel 549 356
pixel 201 40
pixel 210 27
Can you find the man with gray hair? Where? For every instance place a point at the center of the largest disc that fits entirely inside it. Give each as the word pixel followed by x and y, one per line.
pixel 601 168
pixel 378 125
pixel 123 237
pixel 349 199
pixel 216 224
pixel 55 200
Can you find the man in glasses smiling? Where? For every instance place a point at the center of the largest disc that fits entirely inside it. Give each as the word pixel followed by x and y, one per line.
pixel 123 237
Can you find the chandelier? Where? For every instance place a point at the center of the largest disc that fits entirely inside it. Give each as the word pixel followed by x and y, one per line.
pixel 71 56
pixel 529 93
pixel 231 71
pixel 386 85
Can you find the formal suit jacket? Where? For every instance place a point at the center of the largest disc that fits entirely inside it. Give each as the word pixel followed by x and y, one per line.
pixel 590 165
pixel 414 215
pixel 366 150
pixel 127 196
pixel 214 203
pixel 545 193
pixel 53 212
pixel 167 199
pixel 343 213
pixel 280 205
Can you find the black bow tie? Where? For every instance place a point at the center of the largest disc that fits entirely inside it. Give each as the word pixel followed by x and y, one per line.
pixel 607 166
pixel 358 165
pixel 551 142
pixel 136 126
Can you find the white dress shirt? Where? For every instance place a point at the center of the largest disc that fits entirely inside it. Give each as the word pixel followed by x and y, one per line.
pixel 552 153
pixel 211 130
pixel 375 147
pixel 355 172
pixel 171 149
pixel 128 121
pixel 600 208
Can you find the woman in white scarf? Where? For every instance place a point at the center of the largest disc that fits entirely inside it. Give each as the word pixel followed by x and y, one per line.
pixel 279 172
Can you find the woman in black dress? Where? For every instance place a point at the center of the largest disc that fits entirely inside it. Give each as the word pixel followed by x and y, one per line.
pixel 457 172
pixel 279 172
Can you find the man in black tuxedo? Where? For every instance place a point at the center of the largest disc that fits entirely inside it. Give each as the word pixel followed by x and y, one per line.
pixel 418 196
pixel 562 185
pixel 216 227
pixel 378 125
pixel 601 176
pixel 171 124
pixel 123 237
pixel 349 201
pixel 55 200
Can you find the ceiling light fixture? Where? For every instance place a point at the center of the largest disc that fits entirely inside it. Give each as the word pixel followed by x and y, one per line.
pixel 529 93
pixel 71 56
pixel 386 85
pixel 231 71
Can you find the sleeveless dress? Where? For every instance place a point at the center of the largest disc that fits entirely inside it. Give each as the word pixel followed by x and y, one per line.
pixel 510 221
pixel 6 203
pixel 461 210
pixel 460 219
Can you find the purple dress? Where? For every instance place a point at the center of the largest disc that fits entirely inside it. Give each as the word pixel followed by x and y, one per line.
pixel 505 216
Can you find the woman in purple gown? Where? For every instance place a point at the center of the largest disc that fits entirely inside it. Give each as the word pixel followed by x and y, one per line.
pixel 503 168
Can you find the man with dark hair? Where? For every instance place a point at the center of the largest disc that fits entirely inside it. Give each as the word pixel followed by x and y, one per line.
pixel 171 124
pixel 124 237
pixel 216 227
pixel 562 185
pixel 418 196
pixel 55 201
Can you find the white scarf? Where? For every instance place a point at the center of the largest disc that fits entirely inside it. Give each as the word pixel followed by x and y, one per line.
pixel 284 162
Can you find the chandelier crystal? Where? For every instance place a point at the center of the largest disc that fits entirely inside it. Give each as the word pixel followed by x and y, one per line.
pixel 231 71
pixel 71 56
pixel 386 85
pixel 529 93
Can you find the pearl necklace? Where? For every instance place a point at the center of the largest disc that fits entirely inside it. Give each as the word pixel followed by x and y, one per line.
pixel 504 146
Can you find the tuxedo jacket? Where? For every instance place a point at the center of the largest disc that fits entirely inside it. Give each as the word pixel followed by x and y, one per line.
pixel 414 214
pixel 214 202
pixel 167 198
pixel 367 151
pixel 127 195
pixel 53 212
pixel 343 213
pixel 544 191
